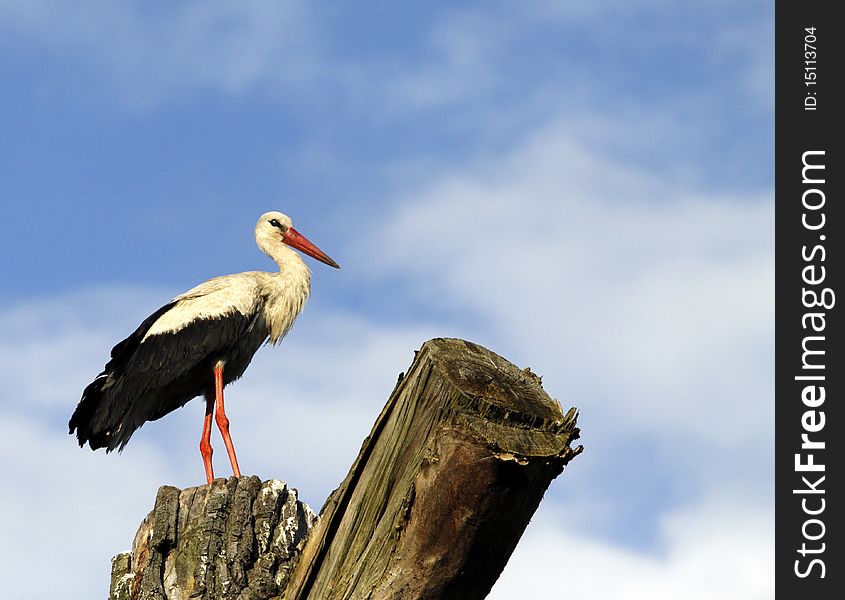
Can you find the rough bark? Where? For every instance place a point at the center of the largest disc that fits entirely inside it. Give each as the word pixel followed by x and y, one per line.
pixel 235 539
pixel 443 487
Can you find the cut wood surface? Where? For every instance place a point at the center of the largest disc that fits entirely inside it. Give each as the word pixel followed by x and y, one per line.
pixel 443 487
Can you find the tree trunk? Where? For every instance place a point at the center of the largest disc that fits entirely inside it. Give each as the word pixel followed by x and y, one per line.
pixel 443 487
pixel 432 508
pixel 233 539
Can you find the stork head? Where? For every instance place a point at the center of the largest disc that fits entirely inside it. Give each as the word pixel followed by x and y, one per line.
pixel 274 231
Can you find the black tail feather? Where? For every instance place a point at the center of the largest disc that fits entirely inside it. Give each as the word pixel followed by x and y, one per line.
pixel 87 416
pixel 93 420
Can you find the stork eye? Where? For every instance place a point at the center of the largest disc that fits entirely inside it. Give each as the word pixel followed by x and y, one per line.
pixel 274 223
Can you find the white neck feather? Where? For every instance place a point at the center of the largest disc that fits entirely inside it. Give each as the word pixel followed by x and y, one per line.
pixel 286 290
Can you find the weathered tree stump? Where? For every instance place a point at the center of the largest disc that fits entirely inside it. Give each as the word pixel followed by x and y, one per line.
pixel 235 538
pixel 432 508
pixel 443 487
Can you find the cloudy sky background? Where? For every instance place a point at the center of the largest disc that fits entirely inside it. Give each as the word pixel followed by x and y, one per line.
pixel 586 188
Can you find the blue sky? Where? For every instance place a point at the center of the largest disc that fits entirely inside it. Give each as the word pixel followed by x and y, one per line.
pixel 583 187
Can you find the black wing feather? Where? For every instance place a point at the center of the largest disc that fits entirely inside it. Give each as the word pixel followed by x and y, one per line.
pixel 147 379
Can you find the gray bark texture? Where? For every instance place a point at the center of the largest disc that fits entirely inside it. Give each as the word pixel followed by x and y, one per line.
pixel 432 508
pixel 234 539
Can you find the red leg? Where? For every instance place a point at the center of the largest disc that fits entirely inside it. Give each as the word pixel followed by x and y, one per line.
pixel 205 440
pixel 223 420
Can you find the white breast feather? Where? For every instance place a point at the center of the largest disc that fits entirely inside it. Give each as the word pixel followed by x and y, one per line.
pixel 286 295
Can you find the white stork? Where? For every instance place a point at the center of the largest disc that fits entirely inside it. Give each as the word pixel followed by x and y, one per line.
pixel 198 343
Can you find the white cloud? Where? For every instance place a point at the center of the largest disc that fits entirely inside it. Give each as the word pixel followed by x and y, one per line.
pixel 51 348
pixel 167 52
pixel 649 299
pixel 65 514
pixel 464 52
pixel 714 549
pixel 466 58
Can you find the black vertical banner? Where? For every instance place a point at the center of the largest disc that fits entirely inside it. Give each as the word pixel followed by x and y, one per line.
pixel 809 366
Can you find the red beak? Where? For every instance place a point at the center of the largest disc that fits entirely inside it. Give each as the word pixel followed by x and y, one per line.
pixel 294 239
